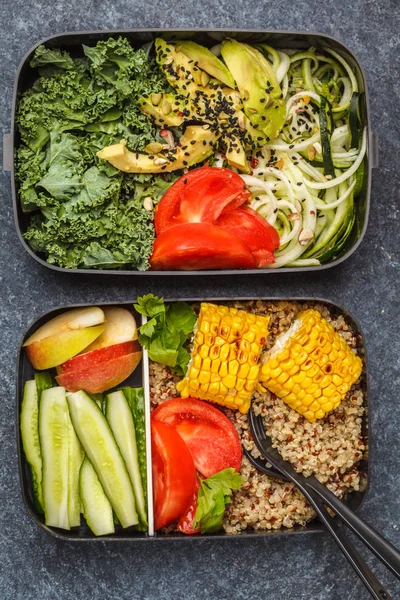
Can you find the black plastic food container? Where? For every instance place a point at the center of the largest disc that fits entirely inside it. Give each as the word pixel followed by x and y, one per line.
pixel 285 39
pixel 140 377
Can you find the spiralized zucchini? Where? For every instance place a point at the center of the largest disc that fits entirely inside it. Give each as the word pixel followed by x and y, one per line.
pixel 312 210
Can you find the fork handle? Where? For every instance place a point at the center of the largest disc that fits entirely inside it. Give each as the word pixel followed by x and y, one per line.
pixel 368 578
pixel 381 547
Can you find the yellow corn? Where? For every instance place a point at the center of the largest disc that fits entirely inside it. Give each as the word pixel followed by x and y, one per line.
pixel 224 366
pixel 311 367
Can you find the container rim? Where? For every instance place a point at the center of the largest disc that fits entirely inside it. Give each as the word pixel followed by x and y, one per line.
pixel 314 526
pixel 371 149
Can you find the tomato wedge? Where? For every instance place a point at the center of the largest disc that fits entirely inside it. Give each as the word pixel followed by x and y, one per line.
pixel 192 246
pixel 174 475
pixel 200 196
pixel 207 432
pixel 254 231
pixel 186 522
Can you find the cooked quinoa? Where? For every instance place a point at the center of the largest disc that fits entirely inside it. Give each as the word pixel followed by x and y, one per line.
pixel 331 448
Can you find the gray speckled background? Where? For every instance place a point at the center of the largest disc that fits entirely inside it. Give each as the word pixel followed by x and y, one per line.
pixel 34 565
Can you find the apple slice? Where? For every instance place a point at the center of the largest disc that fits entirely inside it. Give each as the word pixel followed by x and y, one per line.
pixel 56 349
pixel 103 376
pixel 77 318
pixel 93 358
pixel 120 327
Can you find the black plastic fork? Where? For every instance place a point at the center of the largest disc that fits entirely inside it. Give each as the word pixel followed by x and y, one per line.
pixel 319 497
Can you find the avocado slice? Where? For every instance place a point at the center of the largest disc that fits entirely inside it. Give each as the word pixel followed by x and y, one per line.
pixel 236 155
pixel 196 144
pixel 258 86
pixel 207 61
pixel 180 70
pixel 166 109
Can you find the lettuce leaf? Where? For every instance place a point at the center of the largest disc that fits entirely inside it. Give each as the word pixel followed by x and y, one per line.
pixel 166 332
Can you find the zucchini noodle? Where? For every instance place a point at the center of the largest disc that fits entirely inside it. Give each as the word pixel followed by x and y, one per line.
pixel 312 209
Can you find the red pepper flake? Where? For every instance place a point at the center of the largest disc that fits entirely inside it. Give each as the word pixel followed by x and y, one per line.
pixel 164 132
pixel 254 162
pixel 180 113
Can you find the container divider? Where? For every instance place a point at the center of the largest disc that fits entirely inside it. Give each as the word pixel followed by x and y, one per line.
pixel 146 386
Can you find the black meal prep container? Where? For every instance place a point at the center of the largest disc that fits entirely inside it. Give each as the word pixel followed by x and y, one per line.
pixel 282 39
pixel 140 377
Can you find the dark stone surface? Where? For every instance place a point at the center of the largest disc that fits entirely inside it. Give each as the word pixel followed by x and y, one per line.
pixel 34 565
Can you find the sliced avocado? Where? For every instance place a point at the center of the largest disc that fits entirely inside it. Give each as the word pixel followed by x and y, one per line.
pixel 207 61
pixel 236 155
pixel 196 144
pixel 180 71
pixel 259 89
pixel 166 109
pixel 186 77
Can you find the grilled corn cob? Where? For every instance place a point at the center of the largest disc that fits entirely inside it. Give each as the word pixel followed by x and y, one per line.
pixel 224 366
pixel 310 367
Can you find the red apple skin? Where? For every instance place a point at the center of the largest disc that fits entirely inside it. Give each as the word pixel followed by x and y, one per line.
pixel 89 360
pixel 102 376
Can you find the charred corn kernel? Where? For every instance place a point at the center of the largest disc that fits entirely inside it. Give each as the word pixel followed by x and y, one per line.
pixel 326 367
pixel 224 366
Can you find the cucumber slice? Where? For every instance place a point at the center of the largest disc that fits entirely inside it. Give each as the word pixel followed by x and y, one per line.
pixel 96 508
pixel 43 381
pixel 97 440
pixel 30 440
pixel 120 419
pixel 75 459
pixel 54 442
pixel 135 397
pixel 98 398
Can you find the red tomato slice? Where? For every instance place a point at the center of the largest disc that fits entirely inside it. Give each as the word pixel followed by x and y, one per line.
pixel 192 246
pixel 207 432
pixel 174 475
pixel 253 230
pixel 185 524
pixel 200 196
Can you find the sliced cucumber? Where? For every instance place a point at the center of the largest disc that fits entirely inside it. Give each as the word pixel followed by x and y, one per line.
pixel 97 440
pixel 75 459
pixel 29 427
pixel 120 419
pixel 96 508
pixel 135 397
pixel 98 398
pixel 54 443
pixel 43 381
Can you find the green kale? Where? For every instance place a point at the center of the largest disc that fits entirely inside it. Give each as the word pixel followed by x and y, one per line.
pixel 86 213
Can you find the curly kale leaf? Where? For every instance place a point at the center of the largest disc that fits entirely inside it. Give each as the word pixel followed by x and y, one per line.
pixel 88 212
